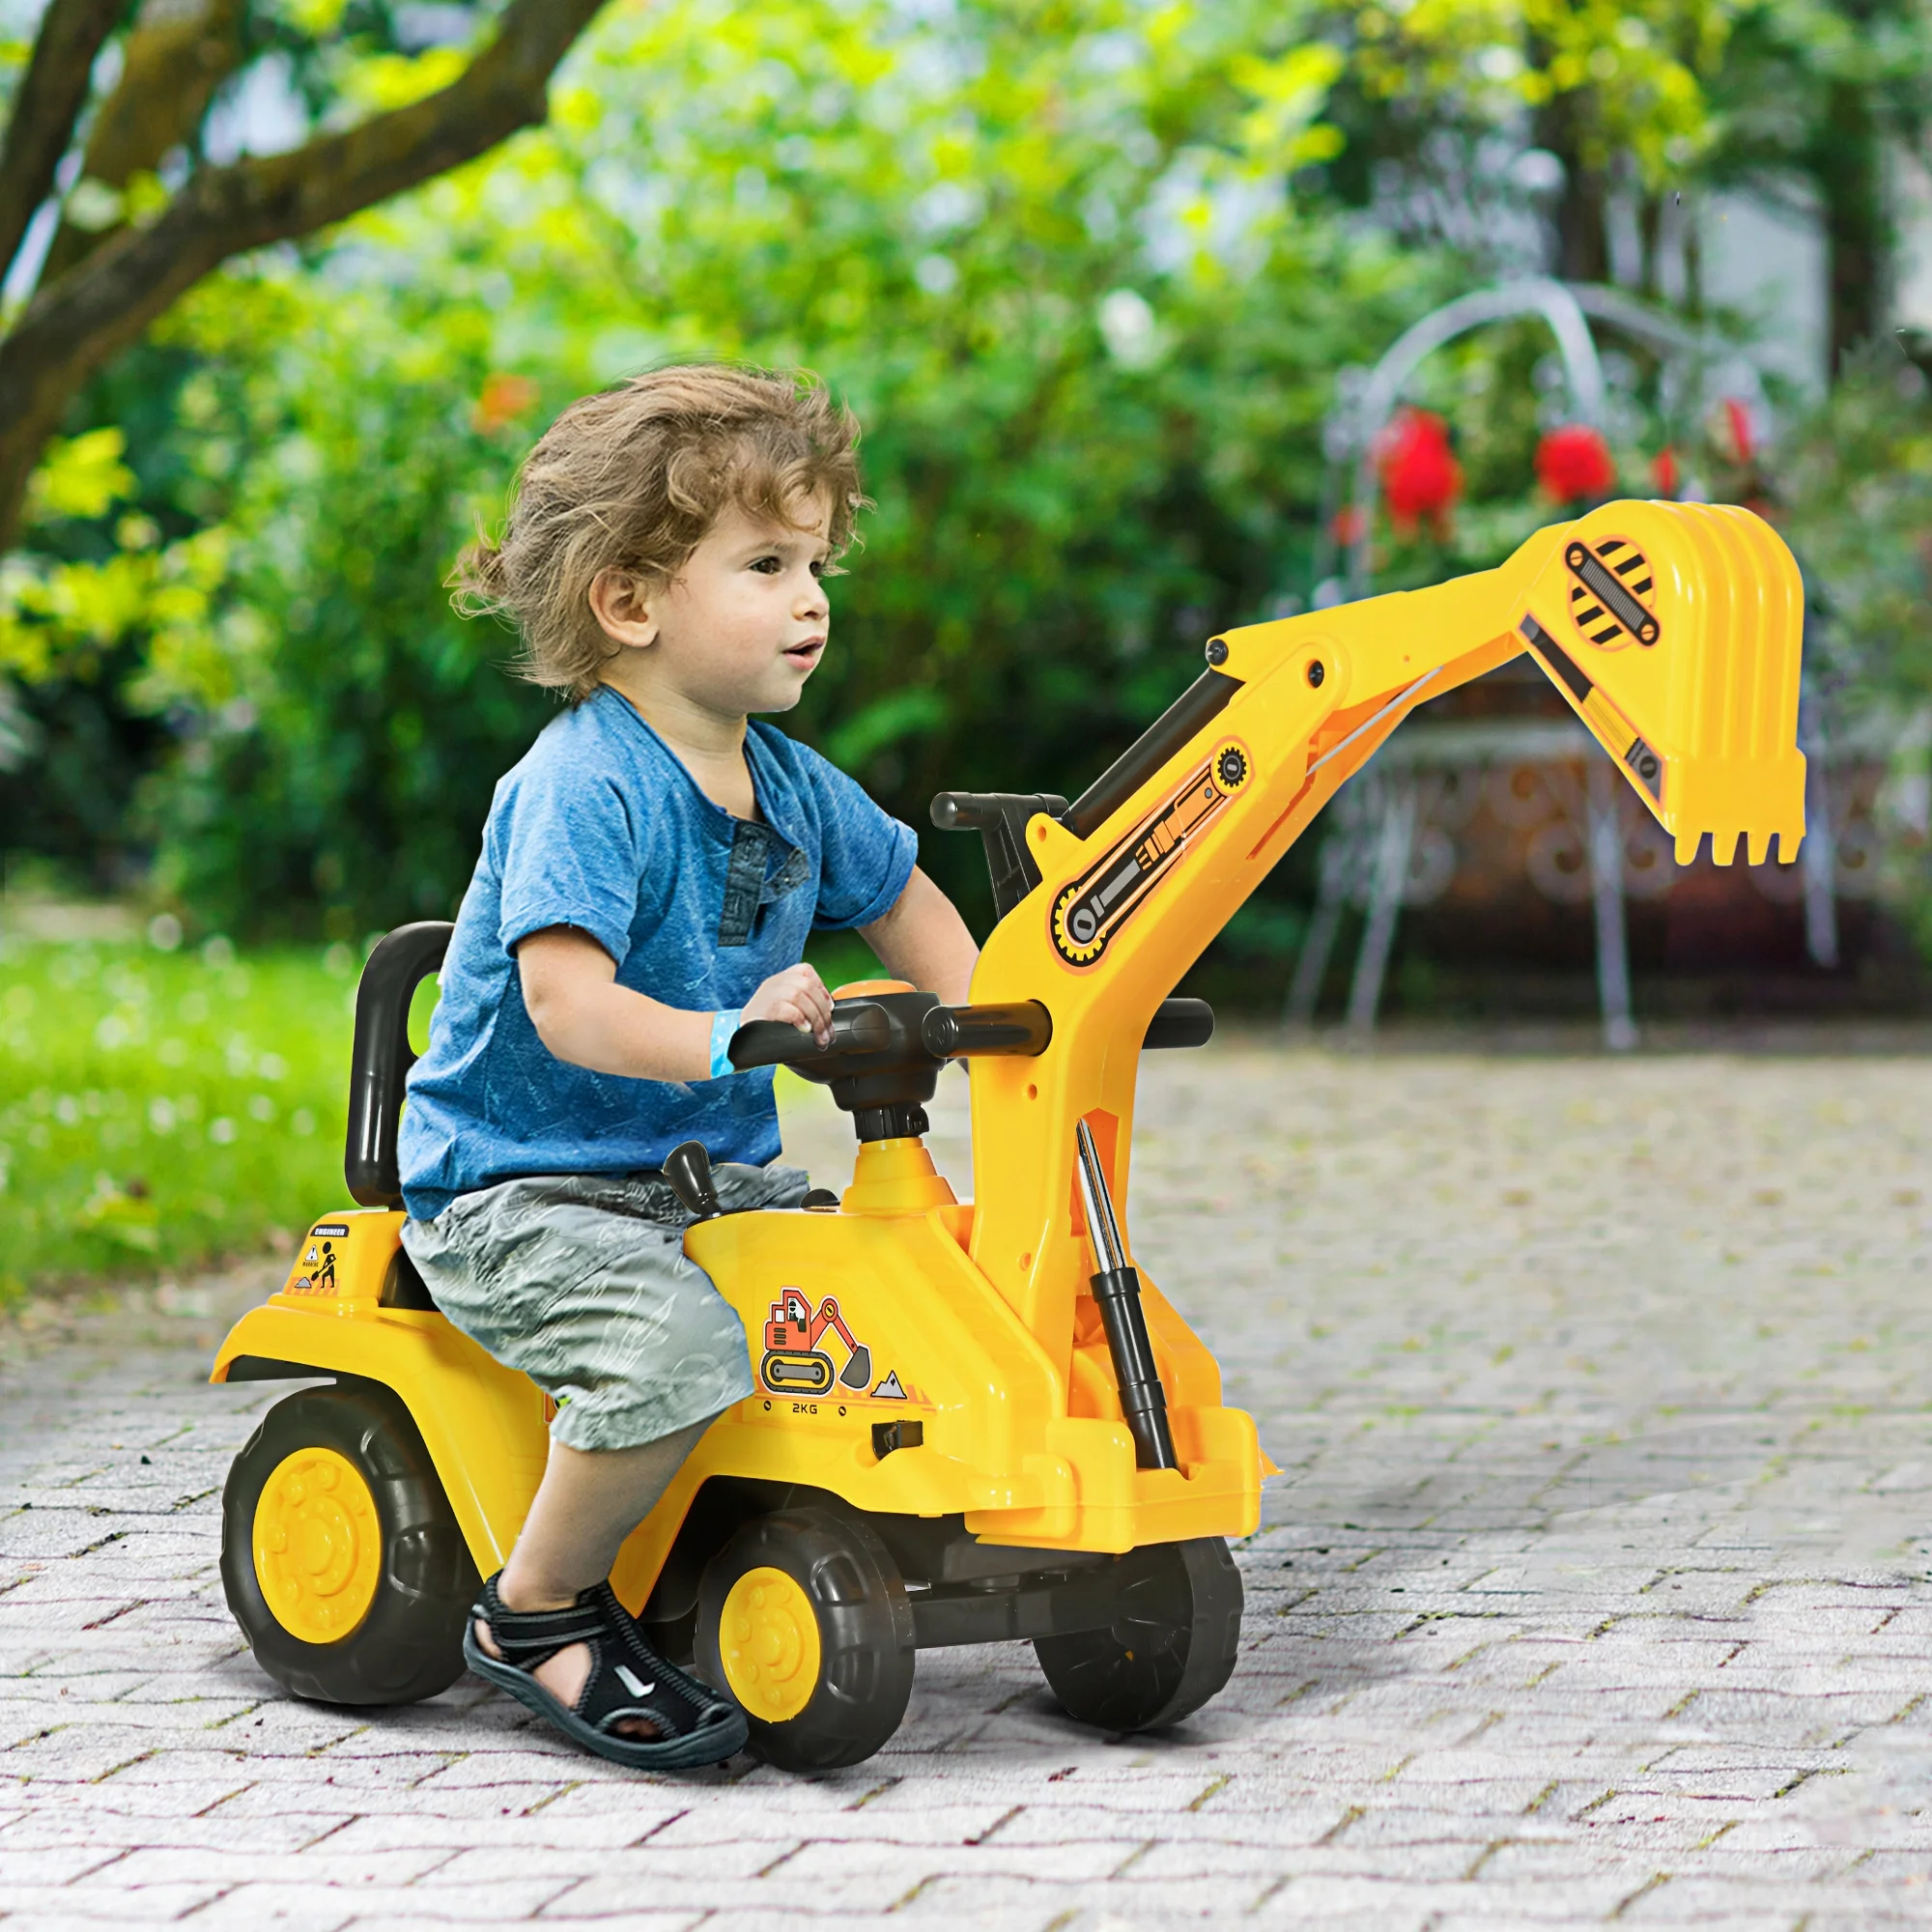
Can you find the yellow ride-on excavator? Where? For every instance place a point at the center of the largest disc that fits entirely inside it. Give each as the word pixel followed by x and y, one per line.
pixel 974 1420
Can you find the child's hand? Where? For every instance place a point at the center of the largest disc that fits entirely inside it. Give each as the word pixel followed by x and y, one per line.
pixel 796 995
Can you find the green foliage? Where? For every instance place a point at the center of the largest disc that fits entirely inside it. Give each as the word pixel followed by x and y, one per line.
pixel 1077 265
pixel 1855 479
pixel 1046 254
pixel 1638 74
pixel 343 728
pixel 157 1109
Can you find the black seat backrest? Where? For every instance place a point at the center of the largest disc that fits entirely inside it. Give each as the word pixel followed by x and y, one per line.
pixel 382 1058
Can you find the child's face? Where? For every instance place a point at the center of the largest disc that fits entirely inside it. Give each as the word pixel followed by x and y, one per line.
pixel 742 625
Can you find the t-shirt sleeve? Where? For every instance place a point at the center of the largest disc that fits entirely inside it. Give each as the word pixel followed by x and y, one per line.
pixel 865 854
pixel 569 855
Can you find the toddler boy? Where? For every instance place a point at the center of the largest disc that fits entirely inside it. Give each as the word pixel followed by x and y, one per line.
pixel 650 870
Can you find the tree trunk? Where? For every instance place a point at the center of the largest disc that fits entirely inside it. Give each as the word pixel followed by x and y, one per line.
pixel 1847 163
pixel 108 300
pixel 1582 231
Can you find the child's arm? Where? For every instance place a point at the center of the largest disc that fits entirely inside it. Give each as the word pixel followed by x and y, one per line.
pixel 923 940
pixel 582 1015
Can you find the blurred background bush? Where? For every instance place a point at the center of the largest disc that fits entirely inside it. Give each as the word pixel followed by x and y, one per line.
pixel 1094 275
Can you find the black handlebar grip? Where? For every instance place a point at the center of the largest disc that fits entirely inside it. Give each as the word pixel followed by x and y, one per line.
pixel 1180 1023
pixel 857 1026
pixel 965 810
pixel 688 1169
pixel 1022 1028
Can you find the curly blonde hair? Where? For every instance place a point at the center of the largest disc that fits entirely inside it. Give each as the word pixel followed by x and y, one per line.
pixel 632 479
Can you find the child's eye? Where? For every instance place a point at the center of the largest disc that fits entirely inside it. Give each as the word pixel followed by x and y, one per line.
pixel 818 566
pixel 770 566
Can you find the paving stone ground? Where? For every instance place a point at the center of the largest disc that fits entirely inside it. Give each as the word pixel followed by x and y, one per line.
pixel 1595 1587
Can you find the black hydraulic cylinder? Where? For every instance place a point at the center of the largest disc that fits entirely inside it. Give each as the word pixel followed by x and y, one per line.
pixel 1142 1400
pixel 1199 705
pixel 1116 1287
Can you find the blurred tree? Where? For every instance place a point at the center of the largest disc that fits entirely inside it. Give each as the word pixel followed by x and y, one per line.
pixel 1046 253
pixel 1086 269
pixel 1440 101
pixel 1814 102
pixel 145 208
pixel 1799 100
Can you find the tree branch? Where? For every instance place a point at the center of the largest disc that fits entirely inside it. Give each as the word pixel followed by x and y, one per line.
pixel 173 60
pixel 52 93
pixel 73 324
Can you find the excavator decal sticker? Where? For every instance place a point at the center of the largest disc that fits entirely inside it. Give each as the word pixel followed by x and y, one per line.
pixel 1610 725
pixel 1088 912
pixel 794 1364
pixel 1612 593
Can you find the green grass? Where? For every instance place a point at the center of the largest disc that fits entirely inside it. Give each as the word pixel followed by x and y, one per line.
pixel 158 1110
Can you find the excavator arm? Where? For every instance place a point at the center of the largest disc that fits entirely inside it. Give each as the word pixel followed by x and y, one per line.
pixel 1672 630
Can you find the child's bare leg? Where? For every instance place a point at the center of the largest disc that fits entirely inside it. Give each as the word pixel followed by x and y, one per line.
pixel 587 1503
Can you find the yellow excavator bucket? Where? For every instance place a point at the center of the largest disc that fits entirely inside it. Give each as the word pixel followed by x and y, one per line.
pixel 1674 629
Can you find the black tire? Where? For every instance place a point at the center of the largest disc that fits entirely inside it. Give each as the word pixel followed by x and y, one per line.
pixel 857 1601
pixel 407 1643
pixel 1171 1646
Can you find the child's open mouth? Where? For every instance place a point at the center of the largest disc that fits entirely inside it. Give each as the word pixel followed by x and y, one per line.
pixel 806 654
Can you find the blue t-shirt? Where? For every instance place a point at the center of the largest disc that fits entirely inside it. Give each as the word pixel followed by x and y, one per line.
pixel 602 827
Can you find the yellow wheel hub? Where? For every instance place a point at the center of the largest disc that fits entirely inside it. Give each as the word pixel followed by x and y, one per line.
pixel 768 1637
pixel 318 1544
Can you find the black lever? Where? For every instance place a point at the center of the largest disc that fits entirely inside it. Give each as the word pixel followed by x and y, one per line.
pixel 688 1169
pixel 1116 1287
pixel 1000 818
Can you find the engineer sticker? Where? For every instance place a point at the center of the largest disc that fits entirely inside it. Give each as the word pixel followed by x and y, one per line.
pixel 1088 912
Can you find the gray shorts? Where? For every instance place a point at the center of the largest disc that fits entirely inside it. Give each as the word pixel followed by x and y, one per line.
pixel 581 1281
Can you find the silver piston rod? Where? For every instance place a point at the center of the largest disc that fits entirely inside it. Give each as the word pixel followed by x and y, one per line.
pixel 1116 1287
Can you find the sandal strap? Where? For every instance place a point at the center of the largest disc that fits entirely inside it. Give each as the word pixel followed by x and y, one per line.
pixel 705 1704
pixel 527 1638
pixel 628 1678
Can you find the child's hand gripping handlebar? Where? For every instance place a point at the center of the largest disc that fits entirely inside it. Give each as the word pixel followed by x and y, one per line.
pixel 916 1027
pixel 896 1029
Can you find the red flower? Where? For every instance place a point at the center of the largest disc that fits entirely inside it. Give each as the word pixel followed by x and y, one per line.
pixel 1664 471
pixel 1575 462
pixel 1743 442
pixel 1420 476
pixel 1347 525
pixel 504 400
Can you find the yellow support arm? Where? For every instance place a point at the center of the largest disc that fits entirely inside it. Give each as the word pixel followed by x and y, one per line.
pixel 1674 631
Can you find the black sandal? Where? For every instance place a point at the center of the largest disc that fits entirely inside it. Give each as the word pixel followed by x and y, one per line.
pixel 628 1679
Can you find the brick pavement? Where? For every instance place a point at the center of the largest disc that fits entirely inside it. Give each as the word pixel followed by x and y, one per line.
pixel 1596 1587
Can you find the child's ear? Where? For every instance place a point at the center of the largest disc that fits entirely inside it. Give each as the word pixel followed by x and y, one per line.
pixel 625 610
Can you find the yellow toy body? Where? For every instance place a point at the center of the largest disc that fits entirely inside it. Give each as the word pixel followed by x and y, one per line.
pixel 922 1358
pixel 1005 1443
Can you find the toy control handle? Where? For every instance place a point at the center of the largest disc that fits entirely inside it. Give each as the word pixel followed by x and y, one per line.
pixel 688 1169
pixel 1019 1027
pixel 857 1027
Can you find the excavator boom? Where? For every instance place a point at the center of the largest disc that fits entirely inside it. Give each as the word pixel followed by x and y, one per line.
pixel 1674 631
